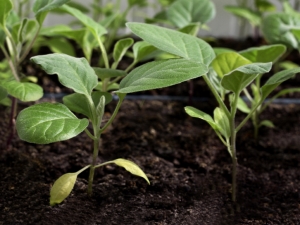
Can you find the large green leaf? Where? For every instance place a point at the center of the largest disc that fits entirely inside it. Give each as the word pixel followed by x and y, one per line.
pixel 250 15
pixel 5 7
pixel 267 53
pixel 24 91
pixel 276 80
pixel 226 62
pixel 182 12
pixel 277 28
pixel 74 73
pixel 79 103
pixel 46 123
pixel 174 42
pixel 159 74
pixel 2 37
pixel 241 77
pixel 60 45
pixel 92 25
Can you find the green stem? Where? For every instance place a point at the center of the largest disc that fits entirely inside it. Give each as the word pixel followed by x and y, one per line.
pixel 11 64
pixel 233 145
pixel 29 47
pixel 217 96
pixel 104 53
pixel 121 98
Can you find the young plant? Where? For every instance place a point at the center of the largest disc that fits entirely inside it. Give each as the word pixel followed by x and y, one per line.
pixel 17 36
pixel 253 15
pixel 46 122
pixel 229 73
pixel 269 53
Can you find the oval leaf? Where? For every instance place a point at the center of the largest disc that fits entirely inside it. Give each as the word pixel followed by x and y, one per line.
pixel 104 73
pixel 174 42
pixel 241 77
pixel 268 53
pixel 5 7
pixel 46 123
pixel 161 74
pixel 277 28
pixel 226 62
pixel 78 103
pixel 196 113
pixel 62 188
pixel 74 73
pixel 182 12
pixel 47 5
pixel 121 48
pixel 132 168
pixel 141 50
pixel 24 91
pixel 277 79
pixel 222 122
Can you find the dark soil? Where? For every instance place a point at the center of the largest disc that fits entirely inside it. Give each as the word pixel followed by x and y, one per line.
pixel 188 167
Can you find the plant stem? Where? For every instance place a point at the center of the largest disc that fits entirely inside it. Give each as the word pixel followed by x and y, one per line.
pixel 217 96
pixel 121 98
pixel 104 53
pixel 93 164
pixel 233 145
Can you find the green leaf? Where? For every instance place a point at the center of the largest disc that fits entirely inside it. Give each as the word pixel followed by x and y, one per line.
pixel 104 73
pixel 263 54
pixel 92 25
pixel 120 49
pixel 159 74
pixel 264 6
pixel 5 7
pixel 222 122
pixel 132 168
pixel 288 65
pixel 24 91
pixel 226 62
pixel 250 15
pixel 275 80
pixel 191 29
pixel 220 50
pixel 242 106
pixel 74 73
pixel 241 77
pixel 2 37
pixel 174 42
pixel 45 123
pixel 79 103
pixel 181 13
pixel 267 123
pixel 141 50
pixel 60 45
pixel 277 28
pixel 196 113
pixel 100 107
pixel 62 188
pixel 3 93
pixel 42 7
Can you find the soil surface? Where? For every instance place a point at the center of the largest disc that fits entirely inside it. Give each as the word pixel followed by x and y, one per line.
pixel 188 167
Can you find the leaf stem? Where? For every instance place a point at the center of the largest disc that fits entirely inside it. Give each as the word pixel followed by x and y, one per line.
pixel 104 53
pixel 121 98
pixel 217 96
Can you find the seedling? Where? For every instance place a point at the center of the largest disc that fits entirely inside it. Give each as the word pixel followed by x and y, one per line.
pixel 229 74
pixel 17 36
pixel 269 53
pixel 46 123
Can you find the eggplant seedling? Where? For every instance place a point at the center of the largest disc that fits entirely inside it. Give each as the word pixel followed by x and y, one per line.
pixel 228 73
pixel 45 123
